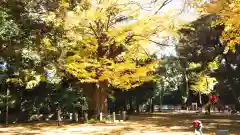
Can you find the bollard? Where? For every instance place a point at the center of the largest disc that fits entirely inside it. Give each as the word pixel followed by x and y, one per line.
pixel 101 116
pixel 124 115
pixel 222 132
pixel 114 117
pixel 58 116
pixel 75 116
pixel 70 116
pixel 86 117
pixel 198 127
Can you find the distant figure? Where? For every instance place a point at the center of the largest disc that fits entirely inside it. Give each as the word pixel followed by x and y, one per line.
pixel 220 107
pixel 208 108
pixel 214 102
pixel 200 108
pixel 198 127
pixel 211 104
pixel 213 99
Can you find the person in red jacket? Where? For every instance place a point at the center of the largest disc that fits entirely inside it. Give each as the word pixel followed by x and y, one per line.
pixel 211 103
pixel 198 127
pixel 213 99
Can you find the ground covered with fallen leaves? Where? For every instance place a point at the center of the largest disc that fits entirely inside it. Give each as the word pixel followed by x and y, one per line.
pixel 143 124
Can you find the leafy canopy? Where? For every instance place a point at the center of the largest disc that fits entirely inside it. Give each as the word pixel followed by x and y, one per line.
pixel 200 46
pixel 202 83
pixel 106 43
pixel 229 13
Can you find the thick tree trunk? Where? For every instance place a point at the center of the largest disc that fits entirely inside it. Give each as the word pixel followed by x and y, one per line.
pixel 137 105
pixel 125 106
pixel 97 98
pixel 150 106
pixel 138 108
pixel 161 94
pixel 186 92
pixel 131 105
pixel 187 88
pixel 101 100
pixel 6 113
pixel 97 101
pixel 200 98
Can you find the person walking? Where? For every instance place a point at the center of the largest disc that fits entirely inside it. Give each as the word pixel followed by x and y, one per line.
pixel 211 104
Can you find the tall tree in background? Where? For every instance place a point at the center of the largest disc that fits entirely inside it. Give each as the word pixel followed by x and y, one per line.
pixel 228 12
pixel 228 15
pixel 201 47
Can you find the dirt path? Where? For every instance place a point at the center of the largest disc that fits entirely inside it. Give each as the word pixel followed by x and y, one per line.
pixel 145 124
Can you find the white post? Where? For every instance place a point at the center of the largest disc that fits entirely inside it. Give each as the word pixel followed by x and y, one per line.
pixel 75 116
pixel 114 117
pixel 70 116
pixel 124 115
pixel 86 116
pixel 101 116
pixel 58 116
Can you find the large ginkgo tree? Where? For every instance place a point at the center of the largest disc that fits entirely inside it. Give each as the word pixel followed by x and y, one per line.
pixel 105 42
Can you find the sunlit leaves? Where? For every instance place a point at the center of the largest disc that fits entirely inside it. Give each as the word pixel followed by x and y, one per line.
pixel 203 84
pixel 193 65
pixel 213 65
pixel 107 40
pixel 33 83
pixel 94 41
pixel 8 28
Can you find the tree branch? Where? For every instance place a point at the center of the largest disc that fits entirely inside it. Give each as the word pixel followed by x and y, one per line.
pixel 95 33
pixel 163 5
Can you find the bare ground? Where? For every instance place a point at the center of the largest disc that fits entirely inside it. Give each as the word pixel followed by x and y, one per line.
pixel 144 124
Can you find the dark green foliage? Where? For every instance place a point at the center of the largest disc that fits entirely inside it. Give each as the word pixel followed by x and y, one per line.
pixel 42 100
pixel 200 41
pixel 202 44
pixel 130 100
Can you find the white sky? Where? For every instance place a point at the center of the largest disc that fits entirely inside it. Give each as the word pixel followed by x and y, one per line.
pixel 175 7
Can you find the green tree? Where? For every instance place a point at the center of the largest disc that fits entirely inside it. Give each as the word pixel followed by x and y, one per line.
pixel 171 78
pixel 228 13
pixel 201 48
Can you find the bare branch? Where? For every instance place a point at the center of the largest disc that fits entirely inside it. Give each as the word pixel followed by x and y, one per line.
pixel 163 5
pixel 108 22
pixel 160 44
pixel 183 9
pixel 139 5
pixel 157 43
pixel 94 31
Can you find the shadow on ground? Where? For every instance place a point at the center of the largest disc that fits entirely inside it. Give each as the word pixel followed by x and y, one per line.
pixel 142 124
pixel 183 122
